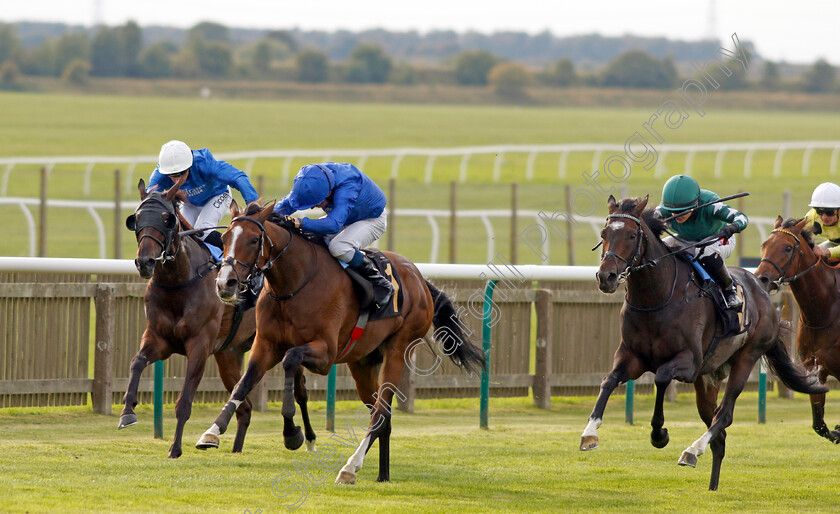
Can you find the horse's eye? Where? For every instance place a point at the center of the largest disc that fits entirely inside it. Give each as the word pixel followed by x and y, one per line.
pixel 633 236
pixel 788 249
pixel 603 233
pixel 255 240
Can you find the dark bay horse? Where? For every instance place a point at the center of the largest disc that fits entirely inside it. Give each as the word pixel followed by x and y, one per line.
pixel 787 256
pixel 305 316
pixel 668 328
pixel 183 311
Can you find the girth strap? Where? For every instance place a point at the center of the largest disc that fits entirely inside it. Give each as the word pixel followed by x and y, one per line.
pixel 356 334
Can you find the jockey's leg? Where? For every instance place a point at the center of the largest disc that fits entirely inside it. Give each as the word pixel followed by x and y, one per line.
pixel 345 247
pixel 209 215
pixel 712 262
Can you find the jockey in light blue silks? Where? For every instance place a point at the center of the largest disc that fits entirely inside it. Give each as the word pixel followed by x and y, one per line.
pixel 356 217
pixel 207 187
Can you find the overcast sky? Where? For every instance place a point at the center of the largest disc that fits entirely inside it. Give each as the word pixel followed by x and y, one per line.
pixel 800 31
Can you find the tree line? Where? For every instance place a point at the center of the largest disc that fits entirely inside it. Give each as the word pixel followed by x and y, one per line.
pixel 211 50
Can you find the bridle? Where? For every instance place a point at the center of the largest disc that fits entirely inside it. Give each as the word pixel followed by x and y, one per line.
pixel 783 279
pixel 628 262
pixel 137 223
pixel 255 270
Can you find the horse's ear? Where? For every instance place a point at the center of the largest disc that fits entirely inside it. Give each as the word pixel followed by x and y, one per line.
pixel 779 221
pixel 266 211
pixel 611 204
pixel 234 209
pixel 141 188
pixel 172 191
pixel 800 225
pixel 640 207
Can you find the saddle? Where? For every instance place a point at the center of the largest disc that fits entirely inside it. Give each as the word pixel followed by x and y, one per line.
pixel 733 321
pixel 364 289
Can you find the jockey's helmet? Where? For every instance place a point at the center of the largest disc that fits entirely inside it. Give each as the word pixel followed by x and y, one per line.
pixel 312 186
pixel 826 195
pixel 679 193
pixel 175 157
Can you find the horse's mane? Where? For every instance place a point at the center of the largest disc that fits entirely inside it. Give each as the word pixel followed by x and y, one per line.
pixel 252 208
pixel 807 232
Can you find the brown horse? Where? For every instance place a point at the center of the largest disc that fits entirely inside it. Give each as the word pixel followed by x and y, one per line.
pixel 669 328
pixel 305 317
pixel 787 256
pixel 183 312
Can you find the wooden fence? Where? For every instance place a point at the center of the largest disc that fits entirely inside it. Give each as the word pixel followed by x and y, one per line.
pixel 65 336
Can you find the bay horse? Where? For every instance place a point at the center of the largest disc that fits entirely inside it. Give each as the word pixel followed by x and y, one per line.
pixel 183 311
pixel 669 325
pixel 305 317
pixel 787 256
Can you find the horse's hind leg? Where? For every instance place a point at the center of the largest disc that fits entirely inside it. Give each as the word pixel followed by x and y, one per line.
pixel 196 360
pixel 302 396
pixel 625 367
pixel 681 367
pixel 230 370
pixel 262 359
pixel 721 420
pixel 818 414
pixel 379 402
pixel 151 350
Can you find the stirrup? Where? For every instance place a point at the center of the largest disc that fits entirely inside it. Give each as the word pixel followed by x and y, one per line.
pixel 731 299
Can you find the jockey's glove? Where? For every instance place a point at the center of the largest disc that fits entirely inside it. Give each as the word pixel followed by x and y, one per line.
pixel 727 231
pixel 282 220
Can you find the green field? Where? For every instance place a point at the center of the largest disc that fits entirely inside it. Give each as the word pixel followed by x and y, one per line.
pixel 70 460
pixel 53 125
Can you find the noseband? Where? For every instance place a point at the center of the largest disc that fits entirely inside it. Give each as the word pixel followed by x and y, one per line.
pixel 628 262
pixel 796 252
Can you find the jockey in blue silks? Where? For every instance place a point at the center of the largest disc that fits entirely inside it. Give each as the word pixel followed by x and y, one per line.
pixel 356 217
pixel 207 187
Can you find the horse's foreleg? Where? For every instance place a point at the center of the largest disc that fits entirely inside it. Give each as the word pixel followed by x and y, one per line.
pixel 230 370
pixel 302 396
pixel 262 359
pixel 721 420
pixel 314 355
pixel 680 367
pixel 196 361
pixel 625 367
pixel 818 415
pixel 149 352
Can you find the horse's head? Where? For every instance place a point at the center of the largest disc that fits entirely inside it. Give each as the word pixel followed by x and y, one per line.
pixel 155 225
pixel 783 252
pixel 247 250
pixel 622 238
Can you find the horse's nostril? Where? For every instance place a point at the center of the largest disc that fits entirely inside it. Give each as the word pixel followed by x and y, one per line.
pixel 231 283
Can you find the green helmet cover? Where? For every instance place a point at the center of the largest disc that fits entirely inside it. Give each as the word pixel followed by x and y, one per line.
pixel 679 193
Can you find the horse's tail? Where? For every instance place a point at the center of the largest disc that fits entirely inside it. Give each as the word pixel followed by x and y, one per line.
pixel 466 355
pixel 793 375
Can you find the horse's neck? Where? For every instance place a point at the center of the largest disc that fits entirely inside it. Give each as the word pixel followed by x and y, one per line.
pixel 652 285
pixel 818 284
pixel 296 264
pixel 188 257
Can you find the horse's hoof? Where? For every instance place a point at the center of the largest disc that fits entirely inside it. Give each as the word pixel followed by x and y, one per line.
pixel 126 420
pixel 174 454
pixel 588 442
pixel 688 459
pixel 207 441
pixel 310 446
pixel 294 441
pixel 383 479
pixel 661 440
pixel 345 477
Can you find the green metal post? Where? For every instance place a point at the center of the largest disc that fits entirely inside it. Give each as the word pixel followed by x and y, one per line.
pixel 485 345
pixel 158 399
pixel 628 404
pixel 762 393
pixel 331 400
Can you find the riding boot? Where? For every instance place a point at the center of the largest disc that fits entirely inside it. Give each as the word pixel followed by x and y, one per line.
pixel 382 287
pixel 215 238
pixel 718 270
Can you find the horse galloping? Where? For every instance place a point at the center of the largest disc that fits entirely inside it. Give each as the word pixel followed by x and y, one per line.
pixel 183 312
pixel 669 325
pixel 787 256
pixel 306 316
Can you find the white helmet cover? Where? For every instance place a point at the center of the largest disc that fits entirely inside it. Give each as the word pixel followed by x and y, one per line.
pixel 826 195
pixel 175 157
